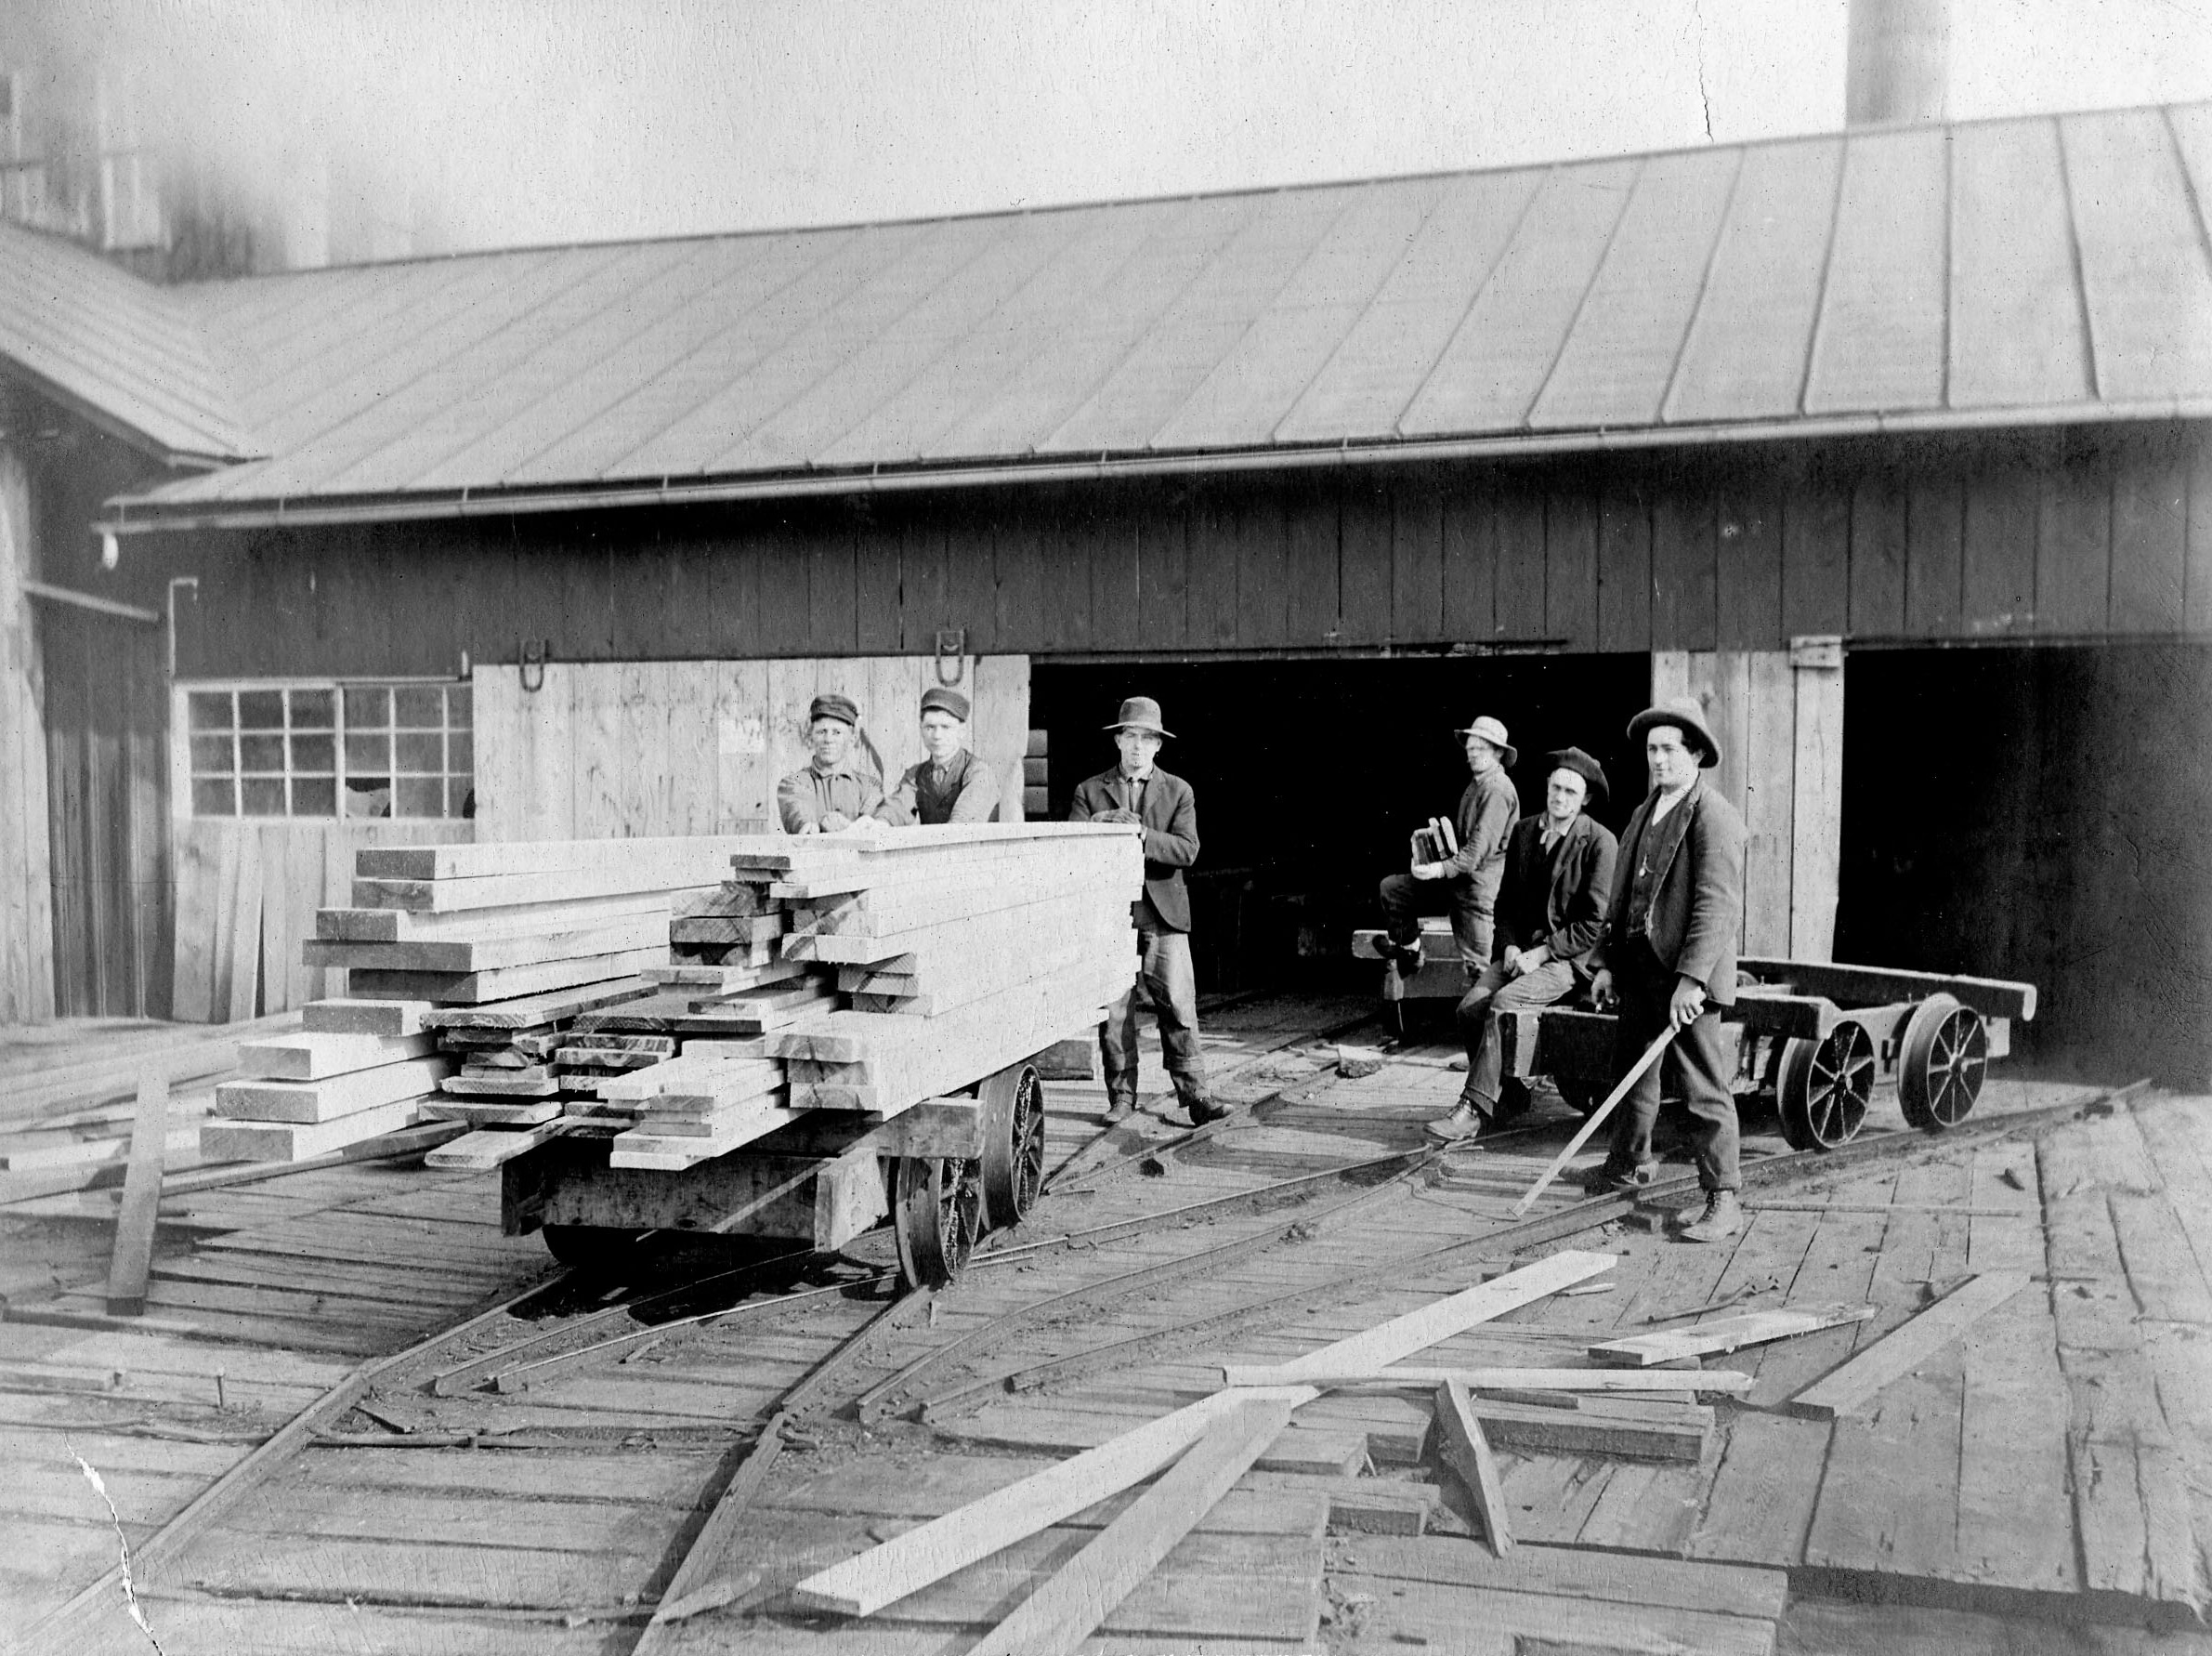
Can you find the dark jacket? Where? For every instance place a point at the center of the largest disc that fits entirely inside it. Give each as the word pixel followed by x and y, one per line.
pixel 1171 818
pixel 1561 907
pixel 1484 822
pixel 1696 914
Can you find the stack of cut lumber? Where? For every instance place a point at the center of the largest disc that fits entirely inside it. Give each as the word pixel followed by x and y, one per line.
pixel 465 963
pixel 358 1070
pixel 872 974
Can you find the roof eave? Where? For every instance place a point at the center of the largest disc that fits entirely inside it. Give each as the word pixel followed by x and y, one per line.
pixel 151 513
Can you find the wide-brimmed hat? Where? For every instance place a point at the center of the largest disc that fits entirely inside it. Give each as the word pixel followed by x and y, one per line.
pixel 833 706
pixel 1491 732
pixel 1141 713
pixel 938 699
pixel 1688 717
pixel 1583 766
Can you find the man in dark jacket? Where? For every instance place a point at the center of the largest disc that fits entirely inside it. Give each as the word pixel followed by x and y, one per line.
pixel 951 784
pixel 1550 908
pixel 1668 957
pixel 1465 884
pixel 1138 790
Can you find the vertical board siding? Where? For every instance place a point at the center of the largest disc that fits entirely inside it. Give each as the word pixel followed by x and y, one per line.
pixel 1999 553
pixel 1624 570
pixel 1683 615
pixel 1571 571
pixel 1770 801
pixel 2072 554
pixel 1817 815
pixel 1934 530
pixel 2150 550
pixel 1747 588
pixel 1815 560
pixel 622 749
pixel 1878 558
pixel 1368 555
pixel 1520 566
pixel 1415 564
pixel 1470 572
pixel 26 901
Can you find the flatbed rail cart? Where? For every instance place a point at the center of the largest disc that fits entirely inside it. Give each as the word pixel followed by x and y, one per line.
pixel 942 1173
pixel 1817 1038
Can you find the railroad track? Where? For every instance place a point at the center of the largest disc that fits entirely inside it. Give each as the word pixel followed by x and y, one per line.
pixel 690 1390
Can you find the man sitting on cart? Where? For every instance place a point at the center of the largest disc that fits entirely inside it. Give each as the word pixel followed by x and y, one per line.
pixel 1465 884
pixel 1551 910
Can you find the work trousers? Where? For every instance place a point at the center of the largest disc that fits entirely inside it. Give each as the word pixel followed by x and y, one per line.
pixel 1495 993
pixel 1405 900
pixel 1696 1067
pixel 1164 968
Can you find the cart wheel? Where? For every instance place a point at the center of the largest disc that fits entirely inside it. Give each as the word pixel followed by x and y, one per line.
pixel 1941 1063
pixel 1824 1086
pixel 584 1247
pixel 1013 1145
pixel 936 1206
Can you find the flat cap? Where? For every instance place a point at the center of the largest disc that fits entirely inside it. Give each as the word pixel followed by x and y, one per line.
pixel 833 705
pixel 938 698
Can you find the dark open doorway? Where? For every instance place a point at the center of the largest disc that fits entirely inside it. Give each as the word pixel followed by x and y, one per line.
pixel 1310 774
pixel 2040 814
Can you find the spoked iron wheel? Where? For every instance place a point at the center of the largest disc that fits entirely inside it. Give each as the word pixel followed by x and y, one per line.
pixel 936 1210
pixel 1013 1145
pixel 1825 1086
pixel 1941 1063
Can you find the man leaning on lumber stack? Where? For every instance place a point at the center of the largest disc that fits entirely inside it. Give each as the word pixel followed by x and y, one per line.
pixel 1668 960
pixel 951 784
pixel 830 793
pixel 1136 790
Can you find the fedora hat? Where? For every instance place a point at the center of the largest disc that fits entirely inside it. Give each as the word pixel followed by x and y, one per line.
pixel 1491 732
pixel 1582 765
pixel 1686 715
pixel 1141 713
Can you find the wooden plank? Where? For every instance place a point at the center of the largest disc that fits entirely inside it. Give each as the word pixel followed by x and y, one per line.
pixel 192 972
pixel 555 938
pixel 1815 560
pixel 1770 799
pixel 1417 563
pixel 1467 1452
pixel 505 983
pixel 1541 1624
pixel 905 1564
pixel 339 1094
pixel 710 1550
pixel 244 928
pixel 1816 812
pixel 390 1019
pixel 1998 553
pixel 1684 613
pixel 2150 512
pixel 141 1195
pixel 316 1056
pixel 286 1141
pixel 2073 550
pixel 1518 522
pixel 1572 1573
pixel 1748 565
pixel 1850 1388
pixel 1724 1333
pixel 1387 1343
pixel 1851 985
pixel 1071 1605
pixel 1499 1379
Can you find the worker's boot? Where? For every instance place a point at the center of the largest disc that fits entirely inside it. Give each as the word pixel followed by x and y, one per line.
pixel 1119 1109
pixel 1462 1126
pixel 1203 1110
pixel 1609 1178
pixel 1723 1217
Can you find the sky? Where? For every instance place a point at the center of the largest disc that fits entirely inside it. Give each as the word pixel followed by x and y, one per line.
pixel 527 121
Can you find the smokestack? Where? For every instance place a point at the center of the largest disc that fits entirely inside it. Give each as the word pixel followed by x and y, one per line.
pixel 1899 61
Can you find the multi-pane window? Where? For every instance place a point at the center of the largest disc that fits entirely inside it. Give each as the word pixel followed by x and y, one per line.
pixel 352 750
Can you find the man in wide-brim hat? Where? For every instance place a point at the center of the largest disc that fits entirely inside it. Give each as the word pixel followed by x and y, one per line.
pixel 1465 884
pixel 1667 960
pixel 1136 790
pixel 830 792
pixel 1551 909
pixel 951 784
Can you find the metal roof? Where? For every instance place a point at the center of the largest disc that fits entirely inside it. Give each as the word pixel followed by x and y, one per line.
pixel 2012 271
pixel 125 354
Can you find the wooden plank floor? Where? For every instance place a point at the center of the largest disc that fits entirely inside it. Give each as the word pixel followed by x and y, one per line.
pixel 2054 1458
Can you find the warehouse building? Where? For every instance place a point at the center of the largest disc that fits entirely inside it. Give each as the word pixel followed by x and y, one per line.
pixel 1889 445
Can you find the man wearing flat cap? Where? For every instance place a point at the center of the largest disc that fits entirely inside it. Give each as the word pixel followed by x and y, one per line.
pixel 951 784
pixel 1136 790
pixel 1667 959
pixel 1465 884
pixel 829 794
pixel 1551 909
